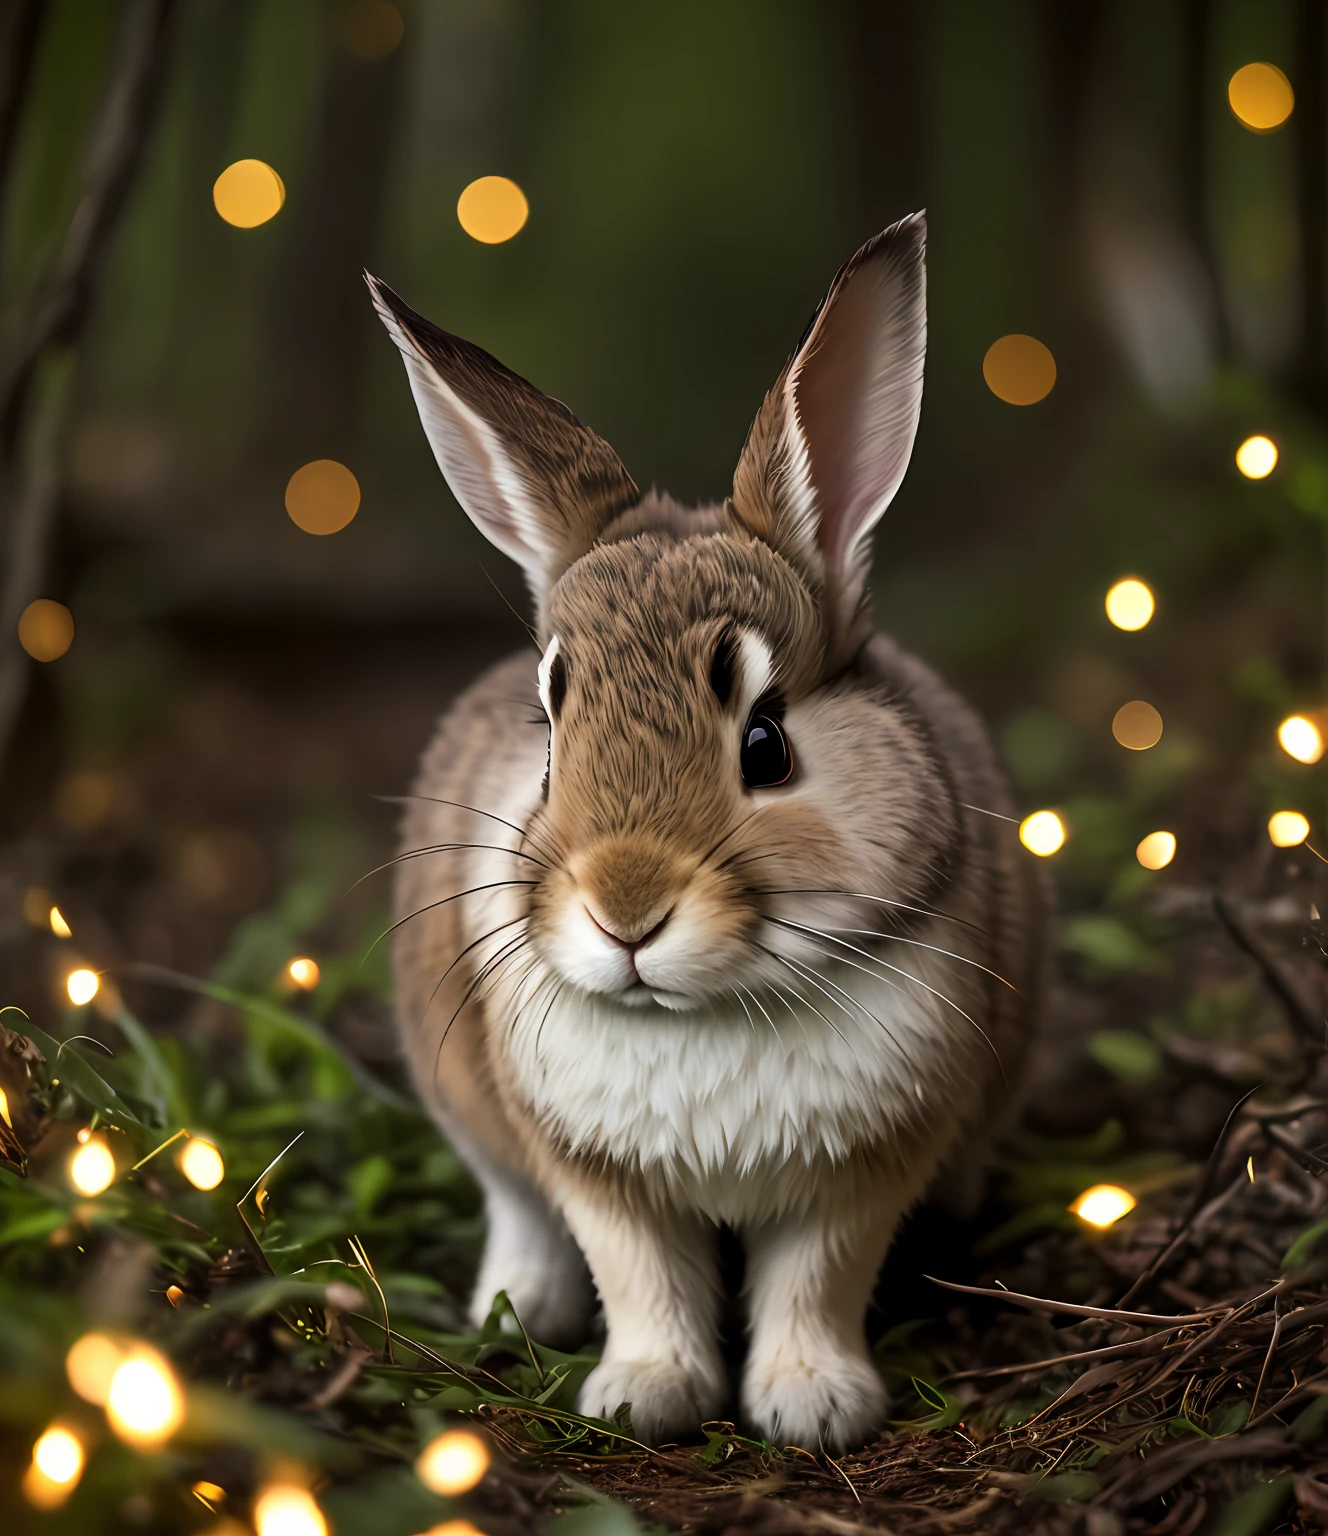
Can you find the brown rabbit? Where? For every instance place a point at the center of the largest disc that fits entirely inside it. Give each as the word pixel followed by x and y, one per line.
pixel 732 941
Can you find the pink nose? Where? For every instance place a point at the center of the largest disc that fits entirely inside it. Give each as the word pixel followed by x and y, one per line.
pixel 631 938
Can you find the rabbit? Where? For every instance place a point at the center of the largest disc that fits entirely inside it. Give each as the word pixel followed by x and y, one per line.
pixel 711 912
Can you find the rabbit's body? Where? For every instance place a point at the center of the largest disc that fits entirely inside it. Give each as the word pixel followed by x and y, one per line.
pixel 649 980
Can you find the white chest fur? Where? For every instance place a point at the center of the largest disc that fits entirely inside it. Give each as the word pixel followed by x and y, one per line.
pixel 724 1108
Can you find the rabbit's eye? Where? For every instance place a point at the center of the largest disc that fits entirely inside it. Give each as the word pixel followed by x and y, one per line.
pixel 767 757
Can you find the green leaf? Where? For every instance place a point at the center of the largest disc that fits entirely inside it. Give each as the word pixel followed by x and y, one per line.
pixel 1127 1054
pixel 1304 1245
pixel 1254 1510
pixel 71 1068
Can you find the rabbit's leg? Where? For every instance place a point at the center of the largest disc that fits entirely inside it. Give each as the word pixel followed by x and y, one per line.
pixel 657 1276
pixel 530 1254
pixel 809 1379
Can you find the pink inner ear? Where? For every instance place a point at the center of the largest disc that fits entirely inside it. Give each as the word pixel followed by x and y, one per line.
pixel 857 394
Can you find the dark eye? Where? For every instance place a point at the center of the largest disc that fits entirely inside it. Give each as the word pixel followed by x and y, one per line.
pixel 721 667
pixel 767 757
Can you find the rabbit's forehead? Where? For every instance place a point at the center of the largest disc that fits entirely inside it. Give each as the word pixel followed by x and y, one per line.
pixel 658 605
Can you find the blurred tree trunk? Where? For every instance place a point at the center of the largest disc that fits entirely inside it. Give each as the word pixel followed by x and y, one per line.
pixel 20 27
pixel 322 314
pixel 1195 159
pixel 36 382
pixel 1310 124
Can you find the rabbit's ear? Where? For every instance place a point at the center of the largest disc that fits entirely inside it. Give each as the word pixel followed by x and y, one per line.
pixel 830 445
pixel 535 481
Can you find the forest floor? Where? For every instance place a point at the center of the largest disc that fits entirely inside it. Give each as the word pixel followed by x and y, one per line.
pixel 1168 1373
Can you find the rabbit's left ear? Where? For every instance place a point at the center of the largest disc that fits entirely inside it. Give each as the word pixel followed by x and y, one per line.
pixel 533 478
pixel 830 445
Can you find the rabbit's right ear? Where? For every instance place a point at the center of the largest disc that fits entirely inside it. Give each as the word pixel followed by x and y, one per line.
pixel 830 445
pixel 536 481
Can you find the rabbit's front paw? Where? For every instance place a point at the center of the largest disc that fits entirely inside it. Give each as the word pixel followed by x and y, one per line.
pixel 667 1400
pixel 833 1403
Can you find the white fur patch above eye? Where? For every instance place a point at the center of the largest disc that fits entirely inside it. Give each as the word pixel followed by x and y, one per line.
pixel 546 662
pixel 756 668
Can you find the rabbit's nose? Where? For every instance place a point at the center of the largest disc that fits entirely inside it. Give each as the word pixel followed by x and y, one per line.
pixel 630 937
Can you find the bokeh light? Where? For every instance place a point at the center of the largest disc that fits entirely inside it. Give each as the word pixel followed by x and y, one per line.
pixel 144 1404
pixel 492 210
pixel 202 1164
pixel 1137 725
pixel 1042 833
pixel 453 1462
pixel 372 29
pixel 91 1365
pixel 208 1494
pixel 1130 604
pixel 1256 458
pixel 1288 829
pixel 322 497
pixel 1300 738
pixel 304 973
pixel 82 986
pixel 57 1465
pixel 1261 97
pixel 454 1528
pixel 92 1167
pixel 1019 370
pixel 285 1509
pixel 1156 850
pixel 4 1109
pixel 59 927
pixel 248 193
pixel 1103 1204
pixel 46 629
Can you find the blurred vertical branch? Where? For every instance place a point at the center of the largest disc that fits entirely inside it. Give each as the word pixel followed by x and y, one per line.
pixel 1311 128
pixel 20 27
pixel 36 381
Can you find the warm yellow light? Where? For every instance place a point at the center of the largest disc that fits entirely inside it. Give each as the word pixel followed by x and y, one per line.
pixel 453 1462
pixel 454 1528
pixel 322 497
pixel 284 1509
pixel 1137 725
pixel 46 629
pixel 304 973
pixel 492 209
pixel 372 29
pixel 91 1365
pixel 4 1109
pixel 57 1465
pixel 1261 97
pixel 59 927
pixel 202 1164
pixel 1019 369
pixel 1042 833
pixel 248 193
pixel 208 1494
pixel 1104 1204
pixel 1157 850
pixel 1301 738
pixel 1256 458
pixel 82 986
pixel 1130 604
pixel 1288 829
pixel 144 1404
pixel 92 1168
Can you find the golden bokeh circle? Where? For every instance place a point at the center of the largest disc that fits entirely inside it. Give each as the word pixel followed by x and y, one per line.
pixel 372 29
pixel 1157 850
pixel 1042 833
pixel 1300 738
pixel 1261 97
pixel 1137 725
pixel 1130 604
pixel 1019 369
pixel 492 210
pixel 248 193
pixel 1256 458
pixel 1288 829
pixel 322 497
pixel 46 629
